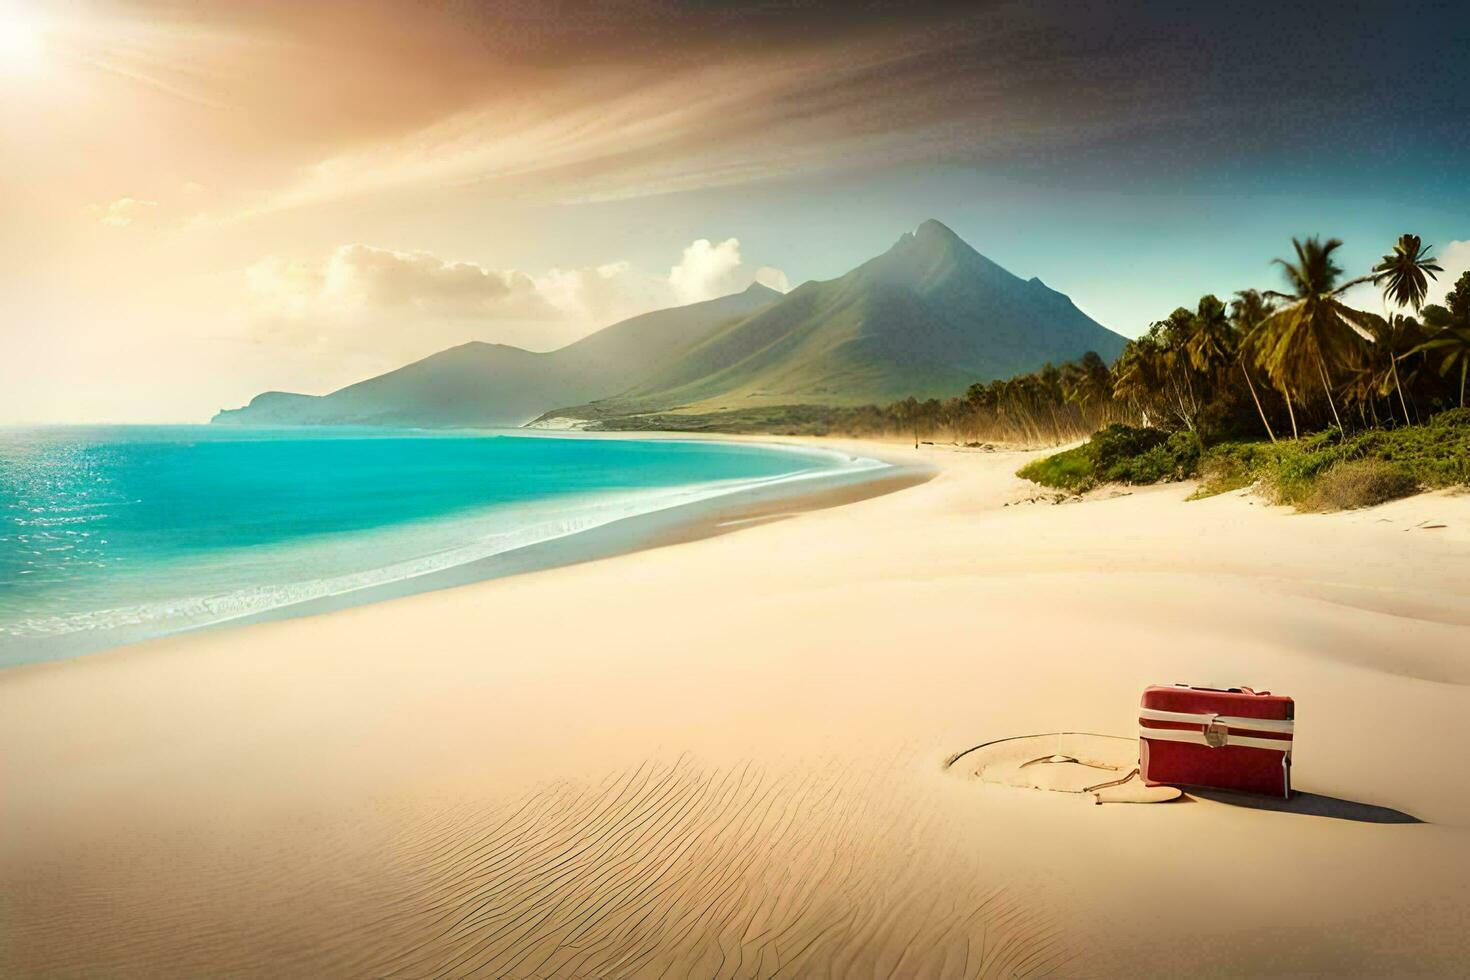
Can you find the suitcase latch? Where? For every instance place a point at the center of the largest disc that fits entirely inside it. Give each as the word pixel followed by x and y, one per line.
pixel 1216 734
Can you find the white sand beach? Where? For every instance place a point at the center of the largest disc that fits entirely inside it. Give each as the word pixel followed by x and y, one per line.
pixel 726 757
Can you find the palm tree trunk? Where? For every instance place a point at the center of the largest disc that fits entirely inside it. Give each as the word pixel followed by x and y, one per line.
pixel 1327 389
pixel 1184 405
pixel 1257 400
pixel 1394 364
pixel 1464 363
pixel 1292 412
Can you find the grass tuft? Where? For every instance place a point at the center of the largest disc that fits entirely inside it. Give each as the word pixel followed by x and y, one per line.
pixel 1360 483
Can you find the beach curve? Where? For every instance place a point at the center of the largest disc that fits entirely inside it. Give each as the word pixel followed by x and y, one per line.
pixel 339 794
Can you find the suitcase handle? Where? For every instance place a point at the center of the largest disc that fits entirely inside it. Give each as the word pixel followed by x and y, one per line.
pixel 1226 690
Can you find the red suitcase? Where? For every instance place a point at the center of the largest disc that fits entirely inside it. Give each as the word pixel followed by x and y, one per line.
pixel 1229 738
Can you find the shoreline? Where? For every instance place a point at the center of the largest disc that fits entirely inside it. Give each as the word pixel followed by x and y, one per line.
pixel 667 523
pixel 665 526
pixel 732 751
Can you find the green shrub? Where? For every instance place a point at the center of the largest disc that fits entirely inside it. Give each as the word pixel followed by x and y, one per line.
pixel 1126 454
pixel 1070 470
pixel 1177 458
pixel 1115 444
pixel 1360 483
pixel 1119 454
pixel 1289 471
pixel 1454 418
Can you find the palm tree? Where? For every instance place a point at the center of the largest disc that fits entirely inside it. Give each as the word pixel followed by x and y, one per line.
pixel 1172 337
pixel 1404 275
pixel 908 414
pixel 1375 373
pixel 1454 342
pixel 1453 336
pixel 1247 311
pixel 1211 343
pixel 1137 375
pixel 1315 330
pixel 1398 336
pixel 1087 382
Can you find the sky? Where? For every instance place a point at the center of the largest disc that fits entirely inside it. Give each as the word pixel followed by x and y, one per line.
pixel 203 200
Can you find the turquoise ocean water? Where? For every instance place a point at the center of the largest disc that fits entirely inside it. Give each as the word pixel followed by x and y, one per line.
pixel 117 533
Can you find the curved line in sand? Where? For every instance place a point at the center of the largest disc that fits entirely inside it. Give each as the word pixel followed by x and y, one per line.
pixel 949 763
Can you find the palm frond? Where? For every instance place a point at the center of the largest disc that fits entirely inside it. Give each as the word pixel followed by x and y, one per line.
pixel 1350 284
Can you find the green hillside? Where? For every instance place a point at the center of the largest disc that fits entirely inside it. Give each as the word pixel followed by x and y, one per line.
pixel 480 384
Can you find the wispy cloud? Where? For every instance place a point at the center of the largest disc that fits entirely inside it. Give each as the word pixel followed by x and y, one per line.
pixel 618 132
pixel 125 211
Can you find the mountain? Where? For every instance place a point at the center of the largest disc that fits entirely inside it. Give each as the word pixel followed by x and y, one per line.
pixel 926 318
pixel 479 384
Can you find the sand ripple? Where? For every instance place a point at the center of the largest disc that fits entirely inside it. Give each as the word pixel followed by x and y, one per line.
pixel 668 869
pixel 678 871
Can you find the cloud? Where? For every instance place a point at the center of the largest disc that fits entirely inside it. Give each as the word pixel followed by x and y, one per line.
pixel 125 211
pixel 706 270
pixel 339 99
pixel 624 131
pixel 363 277
pixel 604 294
pixel 362 297
pixel 773 278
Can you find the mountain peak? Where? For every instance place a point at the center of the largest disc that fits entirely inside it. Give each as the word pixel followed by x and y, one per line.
pixel 932 238
pixel 933 229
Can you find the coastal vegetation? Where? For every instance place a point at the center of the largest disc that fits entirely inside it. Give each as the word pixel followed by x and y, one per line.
pixel 1355 407
pixel 1320 471
pixel 1054 405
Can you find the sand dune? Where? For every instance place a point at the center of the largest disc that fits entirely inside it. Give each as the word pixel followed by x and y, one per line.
pixel 727 758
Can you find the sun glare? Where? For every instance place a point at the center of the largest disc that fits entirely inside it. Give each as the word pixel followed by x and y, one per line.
pixel 21 42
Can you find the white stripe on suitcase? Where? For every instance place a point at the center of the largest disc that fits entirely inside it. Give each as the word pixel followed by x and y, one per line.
pixel 1198 738
pixel 1229 721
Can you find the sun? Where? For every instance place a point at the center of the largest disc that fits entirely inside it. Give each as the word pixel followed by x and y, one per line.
pixel 21 38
